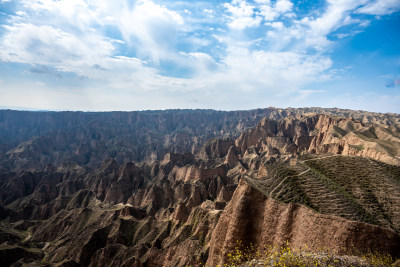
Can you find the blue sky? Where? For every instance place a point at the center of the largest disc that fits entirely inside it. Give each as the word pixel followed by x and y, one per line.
pixel 225 55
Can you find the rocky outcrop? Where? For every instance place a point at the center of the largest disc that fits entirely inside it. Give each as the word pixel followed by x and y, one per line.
pixel 253 218
pixel 321 134
pixel 154 210
pixel 94 206
pixel 231 157
pixel 32 140
pixel 215 148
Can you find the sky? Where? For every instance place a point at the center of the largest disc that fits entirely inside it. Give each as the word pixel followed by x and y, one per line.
pixel 226 55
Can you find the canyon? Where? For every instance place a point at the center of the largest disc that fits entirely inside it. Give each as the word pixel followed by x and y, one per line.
pixel 182 187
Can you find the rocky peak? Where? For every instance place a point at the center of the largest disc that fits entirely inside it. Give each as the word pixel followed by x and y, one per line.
pixel 320 133
pixel 272 185
pixel 110 165
pixel 180 159
pixel 231 157
pixel 215 148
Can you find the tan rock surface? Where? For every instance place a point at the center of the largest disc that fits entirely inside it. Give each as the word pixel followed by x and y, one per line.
pixel 253 218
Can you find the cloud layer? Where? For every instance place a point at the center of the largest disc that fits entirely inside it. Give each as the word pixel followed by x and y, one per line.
pixel 147 54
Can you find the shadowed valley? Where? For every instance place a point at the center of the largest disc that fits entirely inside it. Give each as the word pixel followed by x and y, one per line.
pixel 181 187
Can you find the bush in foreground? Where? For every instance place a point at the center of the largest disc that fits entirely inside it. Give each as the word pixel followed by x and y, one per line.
pixel 286 256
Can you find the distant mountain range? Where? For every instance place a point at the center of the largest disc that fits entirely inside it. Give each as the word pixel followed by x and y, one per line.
pixel 32 140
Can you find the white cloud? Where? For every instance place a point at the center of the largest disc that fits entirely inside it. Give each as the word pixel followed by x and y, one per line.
pixel 91 56
pixel 75 13
pixel 202 63
pixel 242 23
pixel 312 31
pixel 20 13
pixel 148 28
pixel 242 15
pixel 271 60
pixel 271 12
pixel 45 45
pixel 72 41
pixel 268 12
pixel 283 6
pixel 380 7
pixel 272 73
pixel 151 28
pixel 263 1
pixel 333 17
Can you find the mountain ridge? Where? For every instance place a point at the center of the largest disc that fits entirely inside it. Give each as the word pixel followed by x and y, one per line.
pixel 35 139
pixel 271 184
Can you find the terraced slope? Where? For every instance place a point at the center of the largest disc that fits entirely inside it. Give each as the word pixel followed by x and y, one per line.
pixel 354 188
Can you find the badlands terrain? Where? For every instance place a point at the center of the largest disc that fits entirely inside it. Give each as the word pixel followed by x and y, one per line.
pixel 185 187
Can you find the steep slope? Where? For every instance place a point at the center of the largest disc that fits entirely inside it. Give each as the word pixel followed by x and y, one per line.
pixel 321 134
pixel 258 221
pixel 314 180
pixel 159 213
pixel 336 201
pixel 32 140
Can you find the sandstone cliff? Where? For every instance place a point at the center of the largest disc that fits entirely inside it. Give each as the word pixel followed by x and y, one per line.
pixel 321 134
pixel 255 219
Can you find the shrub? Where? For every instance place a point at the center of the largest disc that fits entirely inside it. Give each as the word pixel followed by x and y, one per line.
pixel 285 255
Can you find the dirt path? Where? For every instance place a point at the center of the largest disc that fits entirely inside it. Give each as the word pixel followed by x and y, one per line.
pixel 284 179
pixel 308 169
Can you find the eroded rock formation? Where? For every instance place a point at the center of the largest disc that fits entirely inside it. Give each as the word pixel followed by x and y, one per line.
pixel 255 219
pixel 296 177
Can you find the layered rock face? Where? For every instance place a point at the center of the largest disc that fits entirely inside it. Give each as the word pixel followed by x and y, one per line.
pixel 32 140
pixel 312 179
pixel 255 219
pixel 322 134
pixel 159 213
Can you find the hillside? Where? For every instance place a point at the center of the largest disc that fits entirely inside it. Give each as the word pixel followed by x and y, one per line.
pixel 262 177
pixel 32 140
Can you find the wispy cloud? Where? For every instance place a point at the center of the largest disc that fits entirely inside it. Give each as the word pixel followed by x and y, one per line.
pixel 46 45
pixel 39 69
pixel 380 7
pixel 153 29
pixel 183 49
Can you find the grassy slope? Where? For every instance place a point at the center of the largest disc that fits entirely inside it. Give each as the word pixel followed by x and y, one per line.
pixel 354 188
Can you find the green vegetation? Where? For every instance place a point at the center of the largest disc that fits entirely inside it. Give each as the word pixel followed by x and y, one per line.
pixel 362 183
pixel 354 188
pixel 285 255
pixel 282 184
pixel 350 209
